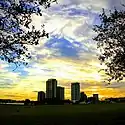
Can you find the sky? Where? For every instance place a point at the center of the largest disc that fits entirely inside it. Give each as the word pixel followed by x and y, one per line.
pixel 68 55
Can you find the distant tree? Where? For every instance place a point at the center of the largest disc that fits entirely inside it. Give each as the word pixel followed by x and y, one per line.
pixel 27 102
pixel 16 31
pixel 111 43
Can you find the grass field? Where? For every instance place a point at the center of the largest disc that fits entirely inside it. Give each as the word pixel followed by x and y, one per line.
pixel 98 114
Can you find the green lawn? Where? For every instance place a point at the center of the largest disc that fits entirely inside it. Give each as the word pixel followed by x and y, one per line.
pixel 98 114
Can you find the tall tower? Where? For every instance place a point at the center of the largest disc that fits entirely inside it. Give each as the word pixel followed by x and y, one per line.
pixel 51 85
pixel 75 92
pixel 60 93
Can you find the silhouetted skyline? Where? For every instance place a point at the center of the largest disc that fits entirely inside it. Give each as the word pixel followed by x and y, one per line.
pixel 56 92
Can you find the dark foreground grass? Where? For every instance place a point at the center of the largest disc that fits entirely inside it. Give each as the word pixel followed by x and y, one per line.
pixel 98 114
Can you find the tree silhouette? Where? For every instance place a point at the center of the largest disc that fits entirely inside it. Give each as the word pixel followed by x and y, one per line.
pixel 27 102
pixel 111 43
pixel 14 40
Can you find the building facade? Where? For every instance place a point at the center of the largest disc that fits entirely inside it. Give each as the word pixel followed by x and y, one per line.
pixel 41 96
pixel 75 92
pixel 83 97
pixel 51 86
pixel 60 93
pixel 95 98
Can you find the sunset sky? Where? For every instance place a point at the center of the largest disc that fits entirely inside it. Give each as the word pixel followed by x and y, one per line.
pixel 68 55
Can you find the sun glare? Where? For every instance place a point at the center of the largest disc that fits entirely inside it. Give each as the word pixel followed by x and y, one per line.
pixel 97 77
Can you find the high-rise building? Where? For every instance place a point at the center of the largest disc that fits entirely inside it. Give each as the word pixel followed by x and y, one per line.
pixel 51 85
pixel 75 92
pixel 41 96
pixel 60 93
pixel 95 98
pixel 83 97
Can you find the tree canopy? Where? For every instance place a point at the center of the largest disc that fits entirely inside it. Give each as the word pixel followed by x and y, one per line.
pixel 111 43
pixel 16 31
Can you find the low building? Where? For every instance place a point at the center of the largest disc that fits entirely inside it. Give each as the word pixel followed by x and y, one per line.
pixel 41 96
pixel 83 97
pixel 95 98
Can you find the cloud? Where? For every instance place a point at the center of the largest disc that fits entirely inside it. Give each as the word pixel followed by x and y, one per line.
pixel 95 5
pixel 116 4
pixel 64 47
pixel 116 85
pixel 68 55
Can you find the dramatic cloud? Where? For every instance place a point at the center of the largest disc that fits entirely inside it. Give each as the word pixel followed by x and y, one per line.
pixel 69 55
